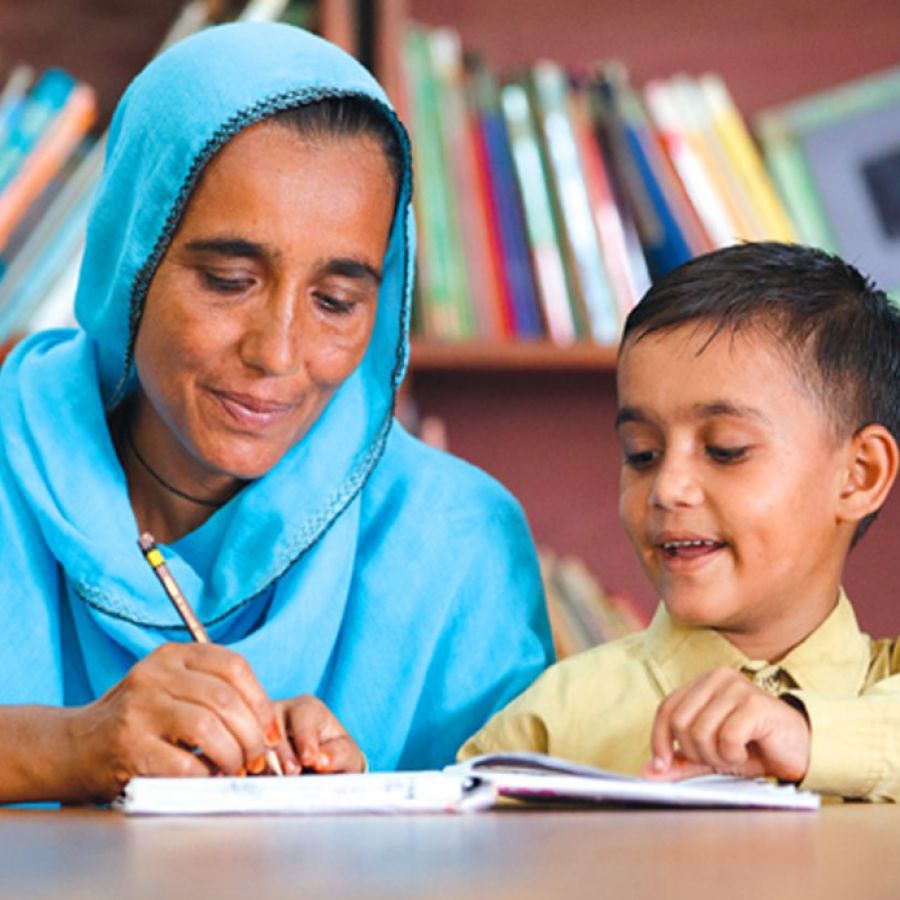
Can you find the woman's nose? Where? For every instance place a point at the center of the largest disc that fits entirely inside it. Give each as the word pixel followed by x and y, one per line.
pixel 675 485
pixel 272 338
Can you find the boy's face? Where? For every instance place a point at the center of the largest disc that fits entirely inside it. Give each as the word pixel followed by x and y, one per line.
pixel 729 485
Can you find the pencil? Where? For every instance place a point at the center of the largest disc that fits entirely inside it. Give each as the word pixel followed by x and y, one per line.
pixel 153 556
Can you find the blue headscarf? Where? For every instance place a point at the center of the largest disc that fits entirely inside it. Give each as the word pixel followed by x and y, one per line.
pixel 394 582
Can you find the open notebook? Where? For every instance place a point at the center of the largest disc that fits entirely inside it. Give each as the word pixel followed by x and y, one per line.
pixel 537 777
pixel 477 784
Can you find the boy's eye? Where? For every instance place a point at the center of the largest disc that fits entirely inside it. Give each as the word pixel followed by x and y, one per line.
pixel 725 454
pixel 641 459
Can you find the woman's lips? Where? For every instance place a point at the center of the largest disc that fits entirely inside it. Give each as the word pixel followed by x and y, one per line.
pixel 252 412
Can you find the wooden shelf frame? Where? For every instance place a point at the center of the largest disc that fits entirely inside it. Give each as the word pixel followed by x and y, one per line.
pixel 510 356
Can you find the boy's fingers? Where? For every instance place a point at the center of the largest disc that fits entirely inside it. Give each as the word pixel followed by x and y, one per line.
pixel 677 769
pixel 680 714
pixel 718 734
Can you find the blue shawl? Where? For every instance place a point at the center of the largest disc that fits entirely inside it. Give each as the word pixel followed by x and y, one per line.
pixel 396 583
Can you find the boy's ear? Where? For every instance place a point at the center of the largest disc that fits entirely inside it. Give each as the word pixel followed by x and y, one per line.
pixel 873 459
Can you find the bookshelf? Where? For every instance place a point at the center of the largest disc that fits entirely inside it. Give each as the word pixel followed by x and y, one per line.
pixel 538 417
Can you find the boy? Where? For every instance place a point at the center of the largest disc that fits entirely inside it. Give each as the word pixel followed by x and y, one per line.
pixel 759 409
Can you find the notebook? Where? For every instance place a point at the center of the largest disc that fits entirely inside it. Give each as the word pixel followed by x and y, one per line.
pixel 537 777
pixel 402 792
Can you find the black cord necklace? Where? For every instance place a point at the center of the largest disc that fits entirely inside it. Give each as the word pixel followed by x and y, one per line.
pixel 157 477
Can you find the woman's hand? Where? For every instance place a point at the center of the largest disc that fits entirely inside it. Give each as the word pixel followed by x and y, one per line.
pixel 186 709
pixel 320 742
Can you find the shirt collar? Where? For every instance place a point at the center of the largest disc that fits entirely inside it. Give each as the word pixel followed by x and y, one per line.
pixel 833 659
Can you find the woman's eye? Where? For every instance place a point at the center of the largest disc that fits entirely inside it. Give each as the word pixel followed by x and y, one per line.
pixel 224 285
pixel 641 459
pixel 725 454
pixel 333 305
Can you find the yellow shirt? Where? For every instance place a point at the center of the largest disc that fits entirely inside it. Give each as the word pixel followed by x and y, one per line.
pixel 598 707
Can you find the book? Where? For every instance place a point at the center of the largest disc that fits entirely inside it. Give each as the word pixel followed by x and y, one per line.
pixel 540 778
pixel 477 265
pixel 446 313
pixel 475 785
pixel 627 280
pixel 572 203
pixel 521 314
pixel 52 248
pixel 635 161
pixel 745 157
pixel 385 793
pixel 549 268
pixel 665 103
pixel 31 118
pixel 837 157
pixel 502 317
pixel 784 159
pixel 61 138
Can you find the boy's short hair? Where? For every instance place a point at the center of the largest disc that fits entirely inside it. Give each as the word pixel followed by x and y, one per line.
pixel 839 330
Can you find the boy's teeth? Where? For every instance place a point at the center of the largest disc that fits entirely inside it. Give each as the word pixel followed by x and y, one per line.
pixel 674 545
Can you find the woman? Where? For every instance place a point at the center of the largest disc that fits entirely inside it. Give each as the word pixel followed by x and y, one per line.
pixel 244 306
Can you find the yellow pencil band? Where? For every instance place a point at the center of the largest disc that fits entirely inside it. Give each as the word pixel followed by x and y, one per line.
pixel 154 557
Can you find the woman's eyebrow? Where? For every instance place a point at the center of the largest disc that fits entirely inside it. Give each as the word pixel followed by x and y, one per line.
pixel 348 267
pixel 228 247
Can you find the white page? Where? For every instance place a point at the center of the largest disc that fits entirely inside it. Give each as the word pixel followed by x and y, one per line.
pixel 539 777
pixel 401 792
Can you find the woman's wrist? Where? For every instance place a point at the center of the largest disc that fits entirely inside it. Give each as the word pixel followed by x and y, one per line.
pixel 39 755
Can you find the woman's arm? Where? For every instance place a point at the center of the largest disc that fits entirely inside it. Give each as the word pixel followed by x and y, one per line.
pixel 186 709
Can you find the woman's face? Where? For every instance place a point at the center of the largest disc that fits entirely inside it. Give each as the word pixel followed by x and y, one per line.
pixel 264 302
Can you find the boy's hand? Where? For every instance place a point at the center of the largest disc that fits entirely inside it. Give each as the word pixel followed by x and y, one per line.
pixel 721 722
pixel 320 742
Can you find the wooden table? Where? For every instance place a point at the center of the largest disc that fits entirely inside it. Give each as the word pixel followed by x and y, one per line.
pixel 840 852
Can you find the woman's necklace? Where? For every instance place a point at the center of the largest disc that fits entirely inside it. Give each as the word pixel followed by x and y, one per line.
pixel 162 481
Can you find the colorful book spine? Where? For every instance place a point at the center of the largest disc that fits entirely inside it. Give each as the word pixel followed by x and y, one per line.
pixel 47 157
pixel 51 248
pixel 526 312
pixel 521 316
pixel 688 159
pixel 696 115
pixel 745 158
pixel 468 211
pixel 790 172
pixel 31 119
pixel 446 314
pixel 542 232
pixel 573 205
pixel 664 241
pixel 609 215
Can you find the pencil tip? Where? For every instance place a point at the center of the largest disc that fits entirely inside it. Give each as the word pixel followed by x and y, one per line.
pixel 146 541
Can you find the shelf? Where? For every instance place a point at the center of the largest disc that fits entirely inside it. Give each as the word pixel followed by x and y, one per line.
pixel 510 356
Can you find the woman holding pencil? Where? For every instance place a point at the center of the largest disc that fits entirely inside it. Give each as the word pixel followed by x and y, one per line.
pixel 243 308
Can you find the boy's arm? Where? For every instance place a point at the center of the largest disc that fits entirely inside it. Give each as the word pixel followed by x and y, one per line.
pixel 722 722
pixel 855 747
pixel 516 727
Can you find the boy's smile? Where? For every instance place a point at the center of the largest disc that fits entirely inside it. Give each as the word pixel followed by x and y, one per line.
pixel 730 484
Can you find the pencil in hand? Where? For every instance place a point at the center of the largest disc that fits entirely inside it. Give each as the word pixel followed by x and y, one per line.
pixel 195 627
